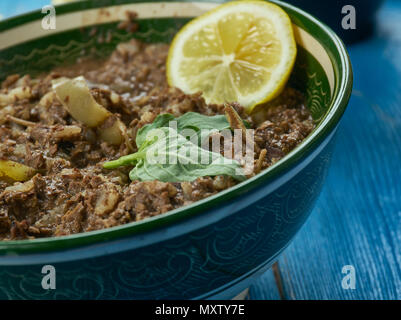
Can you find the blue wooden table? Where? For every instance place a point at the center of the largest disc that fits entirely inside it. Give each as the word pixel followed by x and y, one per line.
pixel 357 221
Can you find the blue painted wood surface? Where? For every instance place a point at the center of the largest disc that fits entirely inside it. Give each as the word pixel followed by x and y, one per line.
pixel 357 220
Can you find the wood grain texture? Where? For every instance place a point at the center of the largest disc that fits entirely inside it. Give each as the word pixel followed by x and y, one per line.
pixel 357 220
pixel 265 288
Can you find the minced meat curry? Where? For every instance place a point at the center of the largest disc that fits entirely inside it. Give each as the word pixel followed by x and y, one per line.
pixel 63 187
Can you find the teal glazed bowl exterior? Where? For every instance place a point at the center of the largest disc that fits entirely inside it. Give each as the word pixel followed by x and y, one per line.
pixel 213 248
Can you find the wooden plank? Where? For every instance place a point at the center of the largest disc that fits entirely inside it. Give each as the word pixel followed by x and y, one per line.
pixel 265 288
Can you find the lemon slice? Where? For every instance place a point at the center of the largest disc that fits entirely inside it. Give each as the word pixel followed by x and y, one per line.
pixel 241 51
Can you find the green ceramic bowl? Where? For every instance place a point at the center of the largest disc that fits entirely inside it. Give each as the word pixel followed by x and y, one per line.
pixel 214 247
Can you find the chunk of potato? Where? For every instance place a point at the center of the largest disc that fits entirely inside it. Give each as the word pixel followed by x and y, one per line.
pixel 20 187
pixel 67 132
pixel 47 100
pixel 6 111
pixel 112 131
pixel 74 94
pixel 14 95
pixel 14 171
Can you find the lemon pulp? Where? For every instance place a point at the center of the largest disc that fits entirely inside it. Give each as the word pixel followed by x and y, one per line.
pixel 241 51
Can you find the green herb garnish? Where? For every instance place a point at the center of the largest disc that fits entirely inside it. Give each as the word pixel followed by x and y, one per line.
pixel 190 120
pixel 167 155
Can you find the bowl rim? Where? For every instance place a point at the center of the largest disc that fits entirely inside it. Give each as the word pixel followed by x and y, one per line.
pixel 340 97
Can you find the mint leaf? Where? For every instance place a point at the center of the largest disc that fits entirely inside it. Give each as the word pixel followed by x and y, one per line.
pixel 173 159
pixel 191 120
pixel 165 153
pixel 162 120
